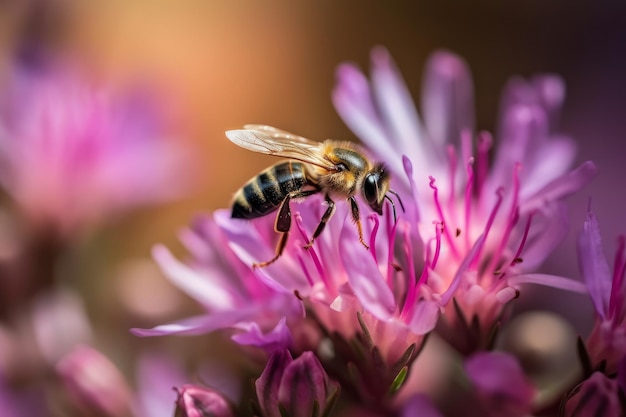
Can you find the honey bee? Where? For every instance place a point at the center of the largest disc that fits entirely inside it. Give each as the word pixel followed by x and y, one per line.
pixel 335 168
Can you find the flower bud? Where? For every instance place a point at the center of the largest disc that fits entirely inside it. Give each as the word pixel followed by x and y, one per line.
pixel 196 401
pixel 596 396
pixel 93 383
pixel 295 388
pixel 500 383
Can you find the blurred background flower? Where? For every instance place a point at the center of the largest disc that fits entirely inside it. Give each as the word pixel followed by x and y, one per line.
pixel 214 66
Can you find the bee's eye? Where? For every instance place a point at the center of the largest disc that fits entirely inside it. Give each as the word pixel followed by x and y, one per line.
pixel 370 188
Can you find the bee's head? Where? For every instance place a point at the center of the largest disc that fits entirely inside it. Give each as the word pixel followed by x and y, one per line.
pixel 375 187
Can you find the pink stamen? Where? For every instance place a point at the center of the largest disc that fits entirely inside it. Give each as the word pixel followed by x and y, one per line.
pixel 619 269
pixel 307 274
pixel 391 239
pixel 524 237
pixel 492 216
pixel 518 253
pixel 468 201
pixel 316 261
pixel 446 230
pixel 411 286
pixel 511 222
pixel 438 229
pixel 471 259
pixel 484 146
pixel 452 163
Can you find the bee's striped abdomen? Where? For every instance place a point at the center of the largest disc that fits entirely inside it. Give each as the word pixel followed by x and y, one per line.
pixel 264 193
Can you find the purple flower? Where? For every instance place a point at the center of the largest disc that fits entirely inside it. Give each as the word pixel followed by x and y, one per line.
pixel 474 230
pixel 500 384
pixel 606 289
pixel 300 387
pixel 235 295
pixel 472 233
pixel 73 155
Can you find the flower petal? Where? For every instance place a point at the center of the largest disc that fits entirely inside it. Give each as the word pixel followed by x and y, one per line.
pixel 365 278
pixel 553 281
pixel 196 325
pixel 547 231
pixel 395 104
pixel 594 265
pixel 447 98
pixel 354 102
pixel 561 187
pixel 209 293
pixel 556 157
pixel 156 375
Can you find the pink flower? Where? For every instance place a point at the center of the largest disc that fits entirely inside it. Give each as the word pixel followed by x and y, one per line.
pixel 470 236
pixel 607 342
pixel 474 230
pixel 234 295
pixel 73 155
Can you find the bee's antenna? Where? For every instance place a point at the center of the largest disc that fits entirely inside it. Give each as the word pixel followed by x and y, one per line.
pixel 399 199
pixel 393 206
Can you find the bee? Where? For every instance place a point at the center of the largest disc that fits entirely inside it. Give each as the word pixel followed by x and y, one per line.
pixel 334 168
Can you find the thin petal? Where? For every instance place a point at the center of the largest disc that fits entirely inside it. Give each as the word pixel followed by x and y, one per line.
pixel 553 281
pixel 156 375
pixel 397 109
pixel 547 231
pixel 551 91
pixel 449 293
pixel 448 98
pixel 354 103
pixel 198 286
pixel 365 278
pixel 278 338
pixel 552 160
pixel 594 265
pixel 195 325
pixel 244 239
pixel 561 187
pixel 524 128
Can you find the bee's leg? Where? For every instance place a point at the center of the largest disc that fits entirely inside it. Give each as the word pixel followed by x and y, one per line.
pixel 325 218
pixel 356 217
pixel 283 224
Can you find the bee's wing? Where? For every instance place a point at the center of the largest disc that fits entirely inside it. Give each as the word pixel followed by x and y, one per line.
pixel 279 133
pixel 276 142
